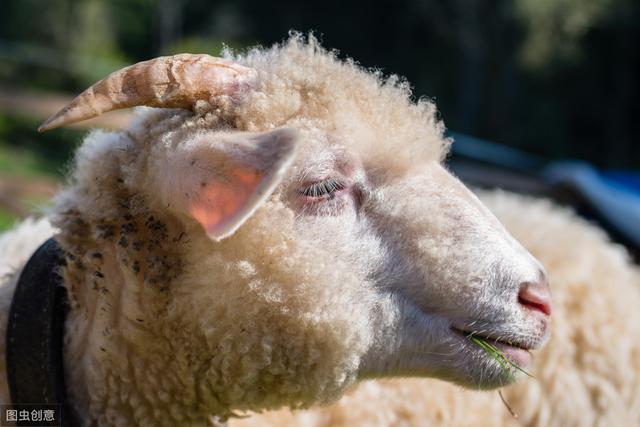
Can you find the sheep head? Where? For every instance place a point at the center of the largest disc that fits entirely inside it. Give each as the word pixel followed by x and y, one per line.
pixel 290 234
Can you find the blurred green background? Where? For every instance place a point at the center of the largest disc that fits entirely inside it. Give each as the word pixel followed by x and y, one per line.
pixel 557 78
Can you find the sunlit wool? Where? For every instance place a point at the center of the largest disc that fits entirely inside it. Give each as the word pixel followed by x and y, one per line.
pixel 294 305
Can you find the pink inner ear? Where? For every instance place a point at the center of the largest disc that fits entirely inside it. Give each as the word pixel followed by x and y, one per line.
pixel 220 204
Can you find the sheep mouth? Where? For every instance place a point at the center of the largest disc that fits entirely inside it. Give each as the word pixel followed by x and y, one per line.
pixel 516 352
pixel 500 341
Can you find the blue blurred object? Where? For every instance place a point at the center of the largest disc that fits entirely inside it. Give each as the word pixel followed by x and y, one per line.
pixel 616 200
pixel 627 179
pixel 612 198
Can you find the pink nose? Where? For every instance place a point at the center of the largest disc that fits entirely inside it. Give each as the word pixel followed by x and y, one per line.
pixel 536 296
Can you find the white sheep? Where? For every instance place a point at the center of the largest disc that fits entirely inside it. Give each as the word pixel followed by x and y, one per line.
pixel 295 232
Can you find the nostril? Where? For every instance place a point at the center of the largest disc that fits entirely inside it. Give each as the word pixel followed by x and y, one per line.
pixel 536 296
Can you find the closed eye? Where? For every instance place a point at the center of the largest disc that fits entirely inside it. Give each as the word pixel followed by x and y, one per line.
pixel 322 189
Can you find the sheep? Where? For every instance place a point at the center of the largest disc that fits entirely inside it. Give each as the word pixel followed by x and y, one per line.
pixel 281 228
pixel 587 375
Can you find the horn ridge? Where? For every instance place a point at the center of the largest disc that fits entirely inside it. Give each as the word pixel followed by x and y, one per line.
pixel 176 81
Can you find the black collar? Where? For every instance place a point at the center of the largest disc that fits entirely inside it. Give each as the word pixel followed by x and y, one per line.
pixel 35 331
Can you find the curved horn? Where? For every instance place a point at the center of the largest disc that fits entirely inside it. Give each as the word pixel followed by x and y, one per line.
pixel 170 81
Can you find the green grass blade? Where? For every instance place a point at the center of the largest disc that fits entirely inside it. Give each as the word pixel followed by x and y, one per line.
pixel 505 363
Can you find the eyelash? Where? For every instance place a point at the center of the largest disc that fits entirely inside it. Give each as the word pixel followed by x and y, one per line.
pixel 322 189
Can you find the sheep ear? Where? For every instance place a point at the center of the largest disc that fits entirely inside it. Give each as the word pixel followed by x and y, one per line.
pixel 238 179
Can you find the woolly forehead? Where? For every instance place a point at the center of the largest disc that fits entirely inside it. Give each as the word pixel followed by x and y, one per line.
pixel 304 86
pixel 333 102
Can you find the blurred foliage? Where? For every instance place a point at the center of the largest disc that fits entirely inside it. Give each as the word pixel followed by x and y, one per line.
pixel 555 28
pixel 94 38
pixel 7 219
pixel 31 157
pixel 25 153
pixel 558 78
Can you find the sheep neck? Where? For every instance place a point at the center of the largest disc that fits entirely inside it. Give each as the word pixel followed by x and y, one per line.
pixel 119 353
